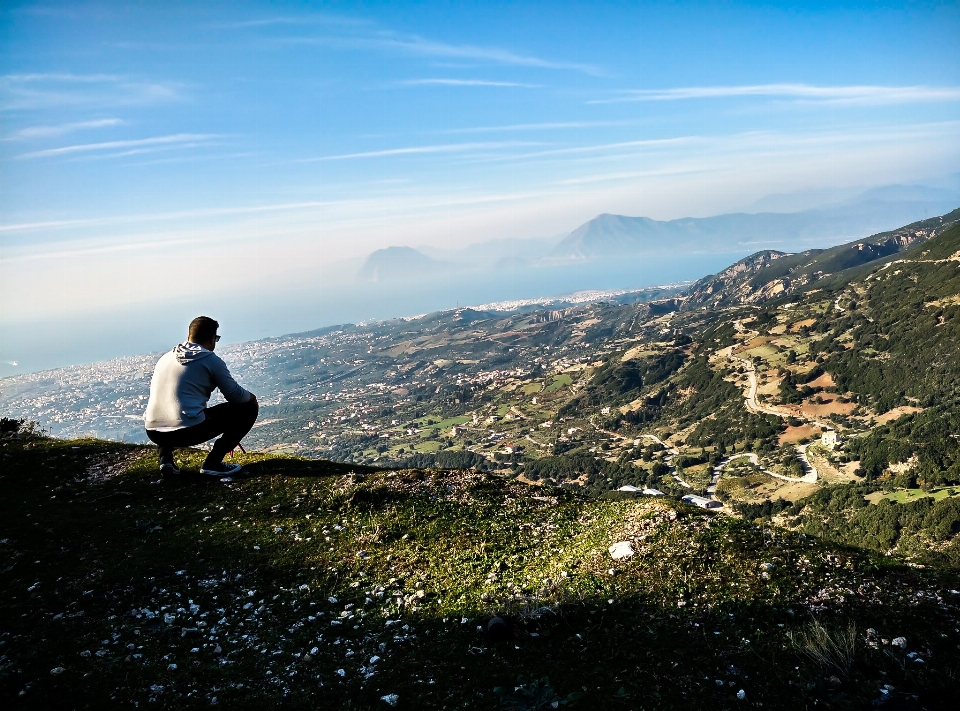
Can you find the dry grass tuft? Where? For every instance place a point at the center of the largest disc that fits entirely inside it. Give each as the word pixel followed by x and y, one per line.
pixel 832 650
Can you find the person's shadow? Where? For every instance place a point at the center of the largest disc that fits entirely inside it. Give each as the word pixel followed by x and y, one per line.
pixel 300 468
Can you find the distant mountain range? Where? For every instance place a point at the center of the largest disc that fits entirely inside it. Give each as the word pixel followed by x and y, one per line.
pixel 875 210
pixel 841 215
pixel 394 263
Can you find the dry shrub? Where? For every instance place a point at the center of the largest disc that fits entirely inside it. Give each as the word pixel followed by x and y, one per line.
pixel 831 650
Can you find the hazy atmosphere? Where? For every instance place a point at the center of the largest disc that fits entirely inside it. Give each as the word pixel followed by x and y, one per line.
pixel 247 160
pixel 480 355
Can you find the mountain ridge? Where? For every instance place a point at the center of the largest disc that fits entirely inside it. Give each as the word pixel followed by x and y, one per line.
pixel 618 235
pixel 768 274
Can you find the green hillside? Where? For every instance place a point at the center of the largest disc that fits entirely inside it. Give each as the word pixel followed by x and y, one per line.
pixel 479 457
pixel 768 274
pixel 315 585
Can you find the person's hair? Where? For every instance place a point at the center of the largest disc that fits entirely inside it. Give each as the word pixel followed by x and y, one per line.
pixel 202 328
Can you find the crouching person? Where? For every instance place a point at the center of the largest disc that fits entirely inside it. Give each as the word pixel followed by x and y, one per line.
pixel 177 414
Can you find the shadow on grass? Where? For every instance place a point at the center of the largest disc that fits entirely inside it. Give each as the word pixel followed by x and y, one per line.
pixel 304 557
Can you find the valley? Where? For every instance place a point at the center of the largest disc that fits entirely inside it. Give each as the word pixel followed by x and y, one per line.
pixel 744 483
pixel 755 397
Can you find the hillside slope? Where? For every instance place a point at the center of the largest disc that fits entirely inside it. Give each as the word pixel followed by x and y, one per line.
pixel 769 274
pixel 317 585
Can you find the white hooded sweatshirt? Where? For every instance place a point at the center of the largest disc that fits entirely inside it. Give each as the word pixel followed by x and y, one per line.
pixel 182 383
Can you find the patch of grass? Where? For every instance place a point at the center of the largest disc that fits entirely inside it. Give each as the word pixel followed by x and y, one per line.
pixel 426 446
pixel 903 496
pixel 764 351
pixel 559 381
pixel 311 584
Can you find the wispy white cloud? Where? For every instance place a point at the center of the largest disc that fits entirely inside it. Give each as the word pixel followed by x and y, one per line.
pixel 467 82
pixel 420 150
pixel 177 139
pixel 63 77
pixel 430 48
pixel 151 217
pixel 293 20
pixel 418 45
pixel 864 94
pixel 50 131
pixel 616 148
pixel 556 125
pixel 50 89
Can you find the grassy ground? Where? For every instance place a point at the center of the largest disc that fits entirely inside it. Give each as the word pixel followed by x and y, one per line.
pixel 441 423
pixel 559 381
pixel 309 584
pixel 904 496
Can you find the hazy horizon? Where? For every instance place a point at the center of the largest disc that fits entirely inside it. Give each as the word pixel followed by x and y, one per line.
pixel 242 159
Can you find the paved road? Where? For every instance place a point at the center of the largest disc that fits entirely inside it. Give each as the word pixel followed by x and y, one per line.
pixel 810 477
pixel 810 471
pixel 668 460
pixel 750 399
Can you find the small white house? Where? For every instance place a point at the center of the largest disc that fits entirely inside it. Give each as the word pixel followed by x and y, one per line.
pixel 701 501
pixel 637 490
pixel 830 439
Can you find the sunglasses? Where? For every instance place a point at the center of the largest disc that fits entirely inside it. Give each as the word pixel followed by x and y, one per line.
pixel 216 339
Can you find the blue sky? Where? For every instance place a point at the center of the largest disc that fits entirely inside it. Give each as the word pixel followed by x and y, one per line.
pixel 200 148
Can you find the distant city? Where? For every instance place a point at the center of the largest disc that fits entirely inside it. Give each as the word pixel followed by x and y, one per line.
pixel 342 368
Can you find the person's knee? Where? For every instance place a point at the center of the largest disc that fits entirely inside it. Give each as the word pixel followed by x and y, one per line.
pixel 251 409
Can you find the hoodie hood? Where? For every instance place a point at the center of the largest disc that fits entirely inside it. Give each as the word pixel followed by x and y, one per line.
pixel 189 352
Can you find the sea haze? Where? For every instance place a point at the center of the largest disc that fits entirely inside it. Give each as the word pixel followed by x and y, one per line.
pixel 606 252
pixel 253 315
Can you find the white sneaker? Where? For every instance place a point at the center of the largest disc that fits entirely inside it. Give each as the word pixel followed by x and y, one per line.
pixel 220 470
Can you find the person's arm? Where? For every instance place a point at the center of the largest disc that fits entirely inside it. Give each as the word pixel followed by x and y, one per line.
pixel 231 389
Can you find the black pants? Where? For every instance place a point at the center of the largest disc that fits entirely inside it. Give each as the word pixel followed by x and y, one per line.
pixel 230 420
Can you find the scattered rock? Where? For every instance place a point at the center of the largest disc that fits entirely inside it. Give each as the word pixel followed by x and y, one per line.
pixel 498 629
pixel 621 550
pixel 57 671
pixel 391 699
pixel 899 642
